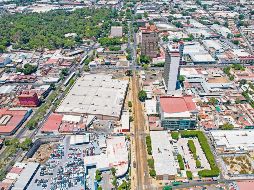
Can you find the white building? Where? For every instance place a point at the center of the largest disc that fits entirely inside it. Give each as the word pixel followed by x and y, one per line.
pixel 171 68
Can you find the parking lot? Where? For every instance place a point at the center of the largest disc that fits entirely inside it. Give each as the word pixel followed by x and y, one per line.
pixel 63 170
pixel 190 163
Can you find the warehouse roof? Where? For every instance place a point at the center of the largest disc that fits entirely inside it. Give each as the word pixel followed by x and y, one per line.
pixel 164 161
pixel 95 94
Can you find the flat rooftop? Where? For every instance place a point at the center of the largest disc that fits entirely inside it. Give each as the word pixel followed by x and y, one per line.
pixel 172 104
pixel 10 119
pixel 116 155
pixel 234 139
pixel 95 94
pixel 164 161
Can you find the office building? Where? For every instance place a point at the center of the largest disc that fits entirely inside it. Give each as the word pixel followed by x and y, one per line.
pixel 177 112
pixel 171 68
pixel 149 41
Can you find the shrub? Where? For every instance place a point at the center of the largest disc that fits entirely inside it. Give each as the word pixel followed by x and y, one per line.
pixel 152 173
pixel 175 135
pixel 189 175
pixel 198 164
pixel 149 145
pixel 151 163
pixel 192 147
pixel 180 161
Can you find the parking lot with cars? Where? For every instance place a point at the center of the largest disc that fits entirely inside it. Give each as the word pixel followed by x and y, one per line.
pixel 63 170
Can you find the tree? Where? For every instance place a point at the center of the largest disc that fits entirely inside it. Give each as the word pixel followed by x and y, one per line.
pixel 64 72
pixel 145 14
pixel 142 95
pixel 26 144
pixel 236 42
pixel 52 86
pixel 175 135
pixel 86 68
pixel 113 171
pixel 181 79
pixel 241 16
pixel 150 163
pixel 145 59
pixel 114 182
pixel 243 82
pixel 165 39
pixel 145 66
pixel 213 101
pixel 227 126
pixel 128 73
pixel 98 175
pixel 123 186
pixel 189 175
pixel 152 172
pixel 28 69
pixel 129 104
pixel 178 24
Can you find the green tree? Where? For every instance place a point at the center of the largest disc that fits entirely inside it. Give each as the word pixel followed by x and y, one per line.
pixel 64 72
pixel 227 126
pixel 98 175
pixel 213 101
pixel 113 171
pixel 129 104
pixel 241 16
pixel 189 175
pixel 145 14
pixel 86 68
pixel 152 173
pixel 175 135
pixel 26 144
pixel 145 66
pixel 243 82
pixel 145 59
pixel 142 95
pixel 165 39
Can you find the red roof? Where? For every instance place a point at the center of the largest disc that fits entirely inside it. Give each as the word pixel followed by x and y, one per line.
pixel 15 119
pixel 16 170
pixel 245 185
pixel 53 122
pixel 171 104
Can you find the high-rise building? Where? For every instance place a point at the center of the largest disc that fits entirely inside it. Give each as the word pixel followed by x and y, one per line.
pixel 171 68
pixel 149 41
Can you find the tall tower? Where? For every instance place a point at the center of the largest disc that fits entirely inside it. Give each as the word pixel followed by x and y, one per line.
pixel 171 68
pixel 149 41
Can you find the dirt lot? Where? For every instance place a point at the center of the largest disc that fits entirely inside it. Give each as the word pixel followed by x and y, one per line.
pixel 43 153
pixel 238 164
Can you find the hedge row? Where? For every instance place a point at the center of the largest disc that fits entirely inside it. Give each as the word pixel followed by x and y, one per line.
pixel 149 145
pixel 180 161
pixel 192 146
pixel 175 135
pixel 189 175
pixel 214 172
